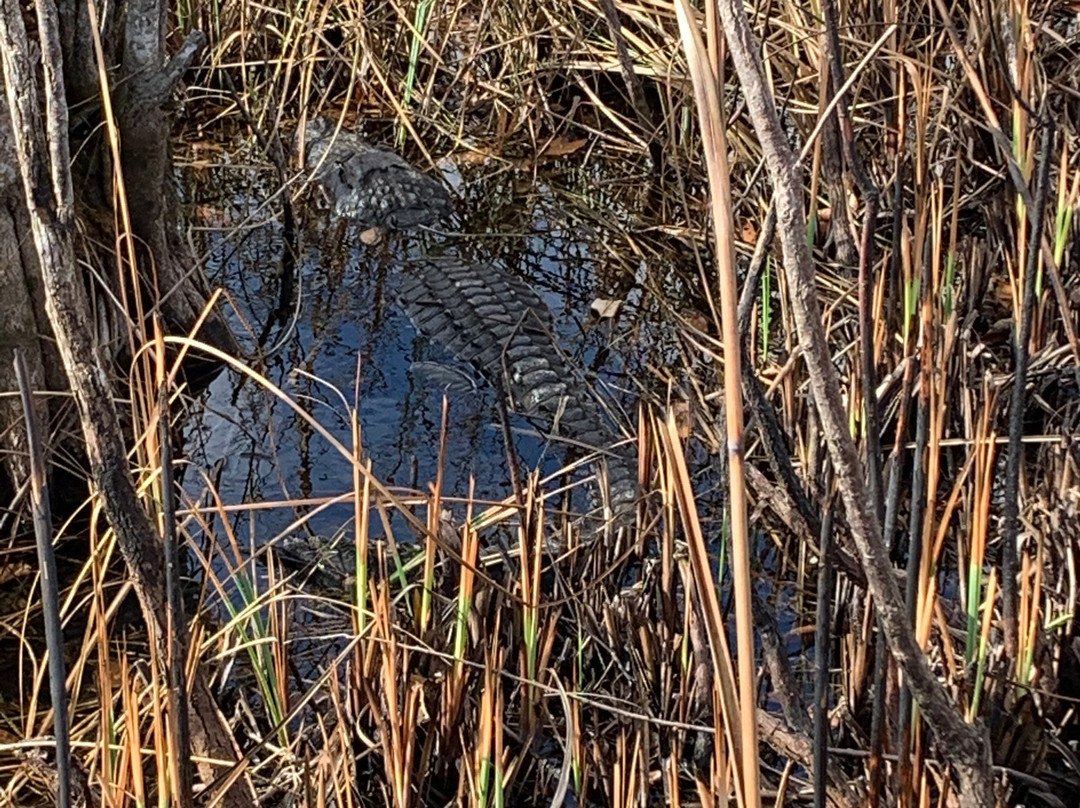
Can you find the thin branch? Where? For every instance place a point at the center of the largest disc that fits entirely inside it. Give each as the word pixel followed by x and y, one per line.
pixel 1021 359
pixel 968 745
pixel 50 586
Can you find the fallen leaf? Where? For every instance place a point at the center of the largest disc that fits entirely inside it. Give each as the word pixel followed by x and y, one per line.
pixel 605 308
pixel 680 408
pixel 560 146
pixel 474 156
pixel 749 233
pixel 697 320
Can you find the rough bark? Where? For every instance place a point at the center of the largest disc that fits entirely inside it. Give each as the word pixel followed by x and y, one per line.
pixel 168 271
pixel 145 84
pixel 22 313
pixel 797 746
pixel 77 45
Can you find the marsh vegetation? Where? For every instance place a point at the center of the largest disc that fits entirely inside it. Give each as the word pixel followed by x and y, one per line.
pixel 817 265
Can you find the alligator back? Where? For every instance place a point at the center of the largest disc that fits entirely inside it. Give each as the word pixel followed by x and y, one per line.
pixel 499 325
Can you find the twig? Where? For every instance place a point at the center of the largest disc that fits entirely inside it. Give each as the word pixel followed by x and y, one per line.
pixel 633 85
pixel 176 659
pixel 1021 359
pixel 821 660
pixel 871 197
pixel 753 274
pixel 289 256
pixel 50 588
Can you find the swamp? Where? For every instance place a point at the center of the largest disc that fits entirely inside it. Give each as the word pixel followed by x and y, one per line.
pixel 583 403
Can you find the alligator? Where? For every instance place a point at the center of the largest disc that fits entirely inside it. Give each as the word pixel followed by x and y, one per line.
pixel 371 186
pixel 480 313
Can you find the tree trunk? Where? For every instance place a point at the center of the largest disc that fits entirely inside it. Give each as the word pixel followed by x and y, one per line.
pixel 44 275
pixel 169 276
pixel 23 322
pixel 147 82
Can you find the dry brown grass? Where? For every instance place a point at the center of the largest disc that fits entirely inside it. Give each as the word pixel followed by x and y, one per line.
pixel 597 666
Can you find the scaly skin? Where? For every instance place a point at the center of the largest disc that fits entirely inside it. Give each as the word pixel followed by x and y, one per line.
pixel 500 326
pixel 373 187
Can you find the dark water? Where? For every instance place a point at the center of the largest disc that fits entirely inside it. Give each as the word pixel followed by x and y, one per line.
pixel 350 341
